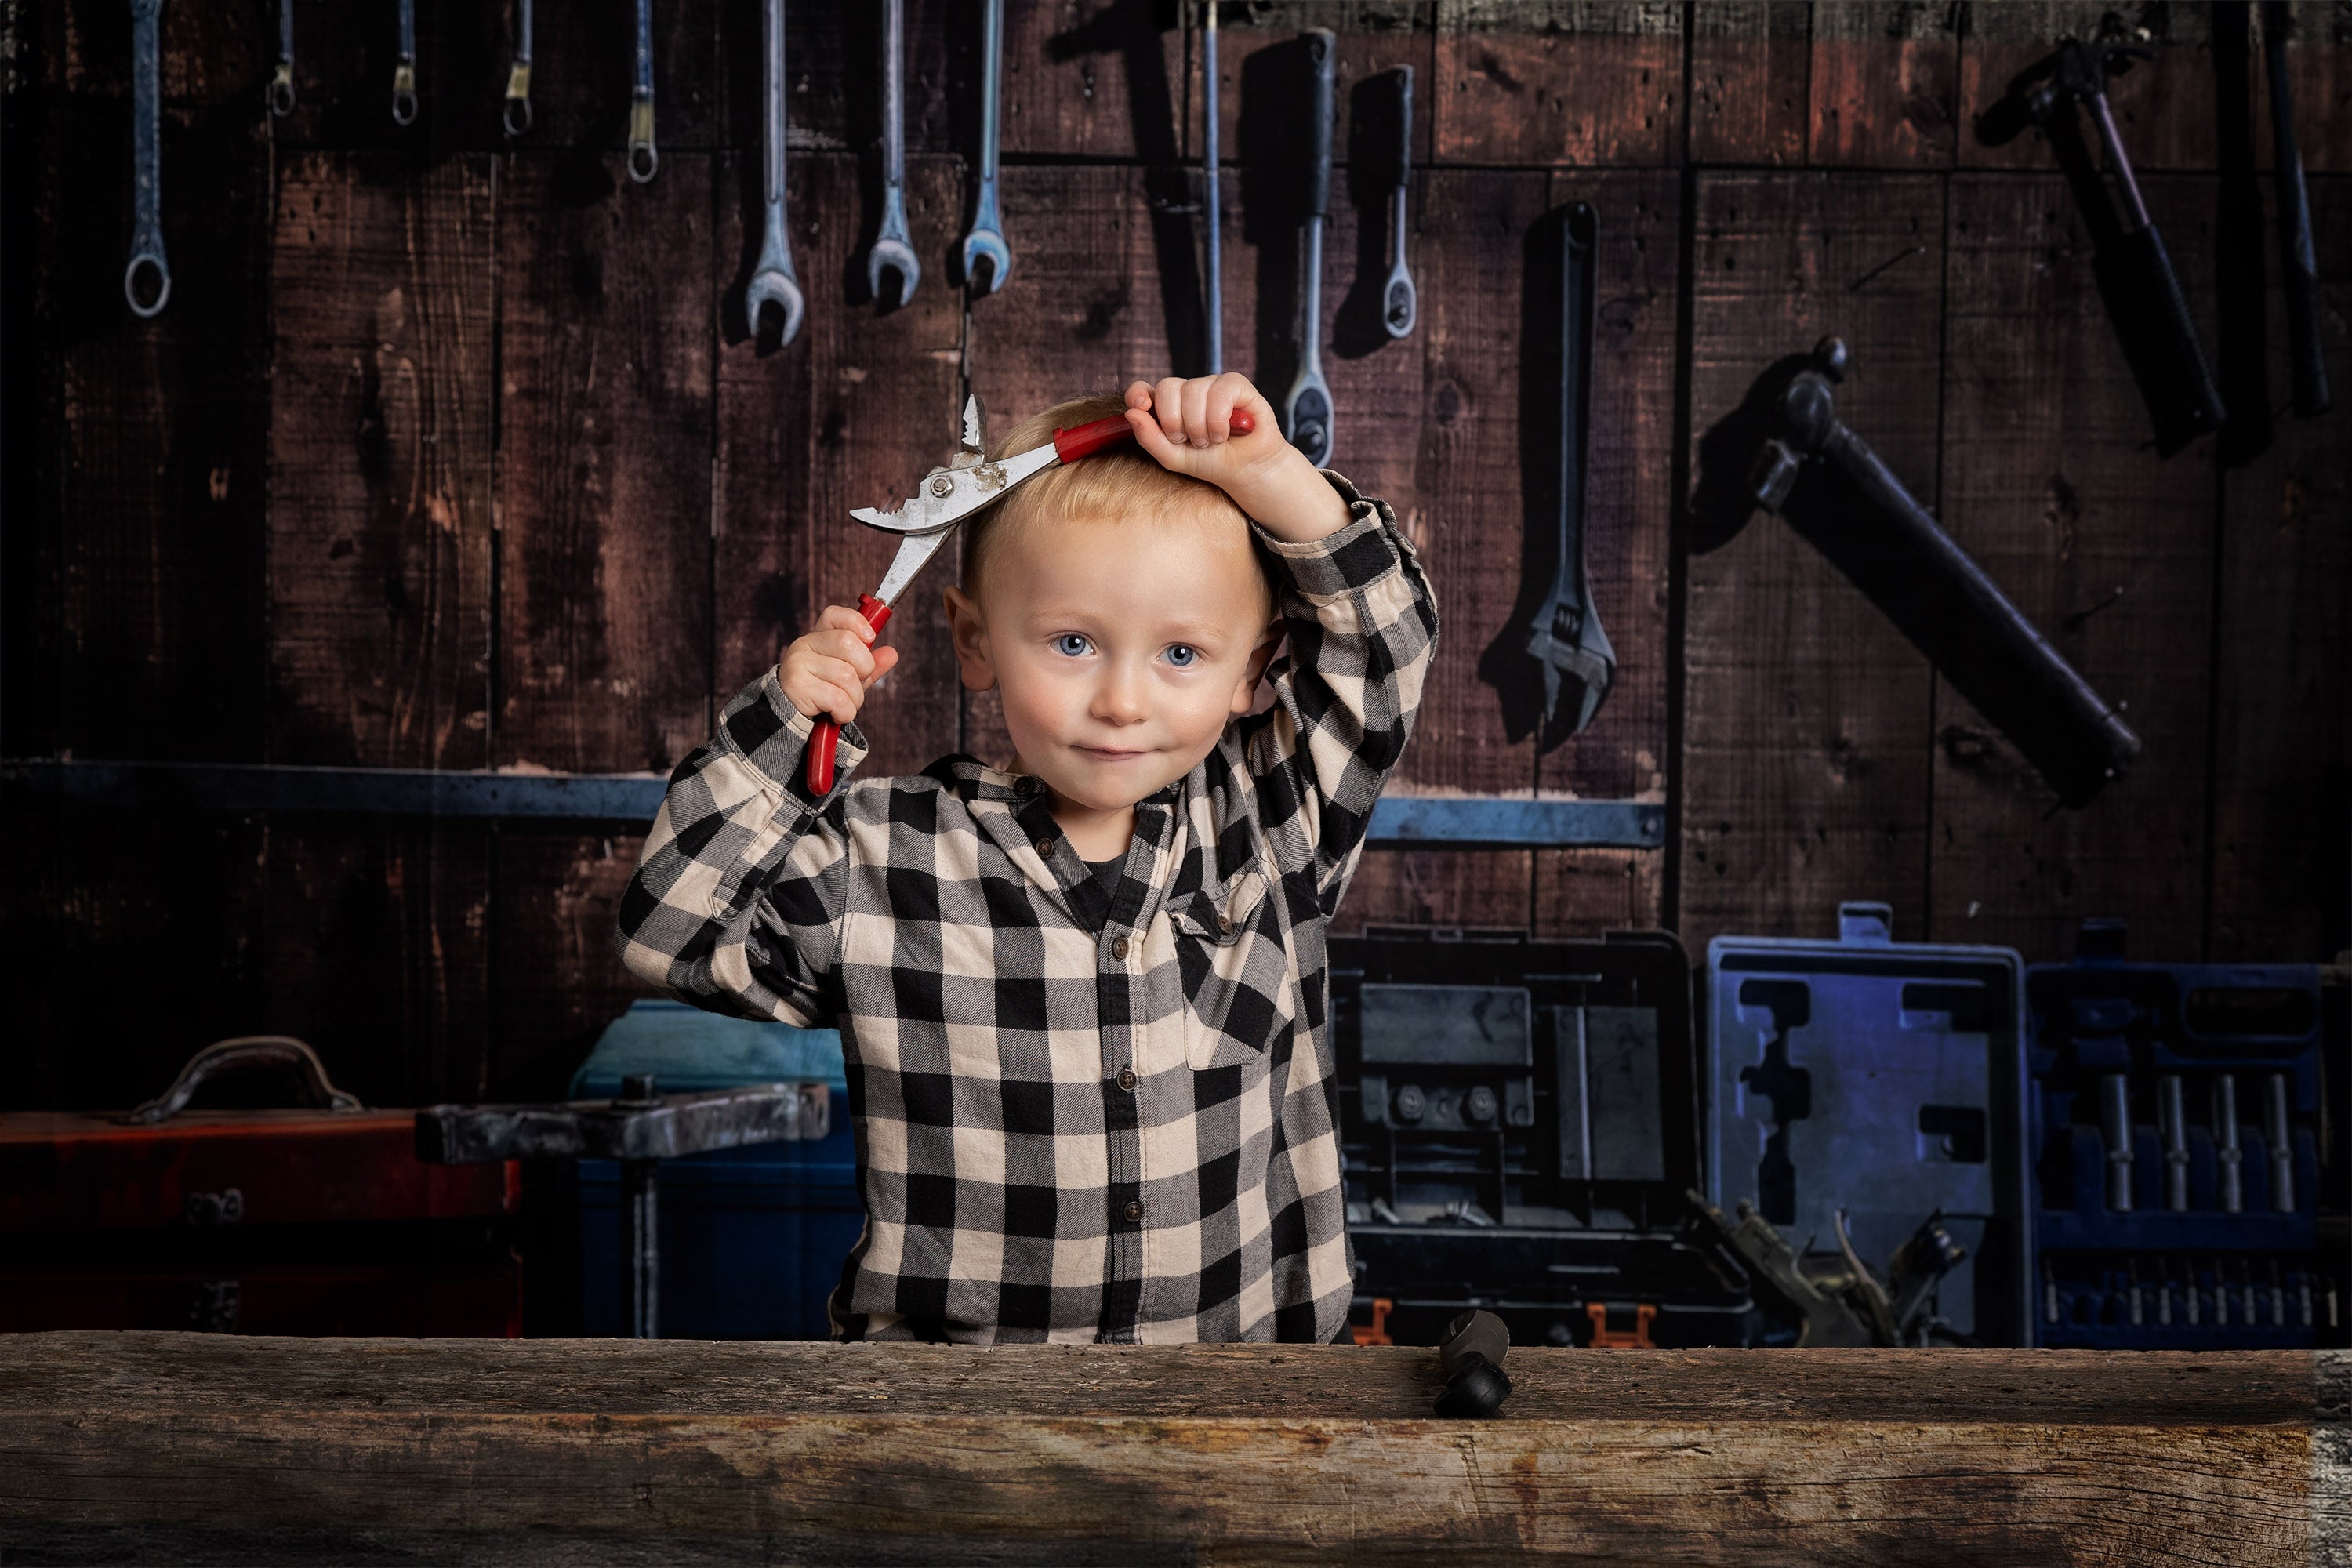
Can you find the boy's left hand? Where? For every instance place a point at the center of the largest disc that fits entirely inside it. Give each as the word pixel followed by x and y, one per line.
pixel 1187 427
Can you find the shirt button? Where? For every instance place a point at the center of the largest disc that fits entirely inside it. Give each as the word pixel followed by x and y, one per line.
pixel 1134 1211
pixel 1044 849
pixel 1225 924
pixel 1127 1079
pixel 1119 949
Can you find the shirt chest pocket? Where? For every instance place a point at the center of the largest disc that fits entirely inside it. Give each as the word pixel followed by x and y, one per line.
pixel 1235 970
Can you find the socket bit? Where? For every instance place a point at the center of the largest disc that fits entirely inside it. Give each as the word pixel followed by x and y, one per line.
pixel 2229 1154
pixel 2278 1130
pixel 2116 1129
pixel 2172 1125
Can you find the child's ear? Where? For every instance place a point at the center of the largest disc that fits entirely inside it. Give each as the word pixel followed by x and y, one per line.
pixel 971 633
pixel 1245 690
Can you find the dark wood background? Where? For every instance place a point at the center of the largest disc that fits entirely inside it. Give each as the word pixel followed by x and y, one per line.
pixel 451 452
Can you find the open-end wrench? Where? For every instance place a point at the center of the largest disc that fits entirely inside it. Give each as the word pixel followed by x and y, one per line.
pixel 518 106
pixel 643 159
pixel 892 251
pixel 147 200
pixel 773 282
pixel 281 85
pixel 928 519
pixel 1307 411
pixel 1209 137
pixel 984 241
pixel 1400 306
pixel 404 71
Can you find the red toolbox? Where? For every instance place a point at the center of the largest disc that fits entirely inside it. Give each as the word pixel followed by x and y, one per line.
pixel 313 1220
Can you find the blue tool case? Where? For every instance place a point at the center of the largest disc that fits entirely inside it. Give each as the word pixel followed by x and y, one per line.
pixel 2176 1119
pixel 1881 1082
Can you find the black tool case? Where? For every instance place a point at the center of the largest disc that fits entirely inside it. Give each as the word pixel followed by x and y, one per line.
pixel 2177 1123
pixel 1519 1125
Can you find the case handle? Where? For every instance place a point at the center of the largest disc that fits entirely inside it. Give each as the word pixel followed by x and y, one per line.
pixel 236 1055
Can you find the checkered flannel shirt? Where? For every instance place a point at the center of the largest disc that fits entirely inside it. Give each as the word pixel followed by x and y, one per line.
pixel 1081 1114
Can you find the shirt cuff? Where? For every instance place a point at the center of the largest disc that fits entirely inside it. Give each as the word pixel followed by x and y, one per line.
pixel 1367 548
pixel 772 736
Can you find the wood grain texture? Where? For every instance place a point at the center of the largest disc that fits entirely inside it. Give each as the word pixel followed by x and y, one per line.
pixel 604 464
pixel 2319 61
pixel 1081 77
pixel 1588 81
pixel 556 981
pixel 2282 877
pixel 1750 72
pixel 1885 84
pixel 1807 713
pixel 1243 1452
pixel 2163 107
pixel 1438 888
pixel 379 478
pixel 2050 484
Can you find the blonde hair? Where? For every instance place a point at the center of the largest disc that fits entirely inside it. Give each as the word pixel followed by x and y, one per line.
pixel 1122 482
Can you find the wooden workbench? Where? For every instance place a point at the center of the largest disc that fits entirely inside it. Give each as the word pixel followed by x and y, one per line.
pixel 162 1449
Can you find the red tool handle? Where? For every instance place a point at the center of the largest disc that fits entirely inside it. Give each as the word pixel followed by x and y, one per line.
pixel 828 734
pixel 1085 441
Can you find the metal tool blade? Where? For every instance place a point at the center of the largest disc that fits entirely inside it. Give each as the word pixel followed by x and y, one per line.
pixel 975 424
pixel 913 555
pixel 950 495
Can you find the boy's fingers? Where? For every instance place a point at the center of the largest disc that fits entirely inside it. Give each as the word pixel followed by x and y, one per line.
pixel 1196 411
pixel 1154 442
pixel 1138 395
pixel 1168 403
pixel 840 617
pixel 885 659
pixel 1229 392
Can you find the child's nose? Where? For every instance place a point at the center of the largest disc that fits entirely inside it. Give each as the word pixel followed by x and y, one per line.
pixel 1120 697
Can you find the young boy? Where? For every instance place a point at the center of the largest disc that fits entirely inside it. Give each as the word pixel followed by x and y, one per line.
pixel 1081 998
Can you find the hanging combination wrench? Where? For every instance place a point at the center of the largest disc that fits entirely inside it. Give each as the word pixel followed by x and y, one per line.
pixel 1209 136
pixel 1400 305
pixel 404 71
pixel 773 282
pixel 984 241
pixel 643 159
pixel 1307 411
pixel 892 252
pixel 518 108
pixel 147 198
pixel 281 85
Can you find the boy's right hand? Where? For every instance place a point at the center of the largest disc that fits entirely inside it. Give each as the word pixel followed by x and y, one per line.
pixel 830 670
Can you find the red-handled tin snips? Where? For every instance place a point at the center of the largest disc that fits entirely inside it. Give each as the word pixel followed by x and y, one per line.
pixel 946 497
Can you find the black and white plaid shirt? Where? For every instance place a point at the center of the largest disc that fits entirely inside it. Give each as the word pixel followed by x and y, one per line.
pixel 1084 1112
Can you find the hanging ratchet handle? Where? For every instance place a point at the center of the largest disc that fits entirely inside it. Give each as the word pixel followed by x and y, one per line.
pixel 281 85
pixel 147 198
pixel 642 160
pixel 1069 445
pixel 518 105
pixel 2298 262
pixel 404 73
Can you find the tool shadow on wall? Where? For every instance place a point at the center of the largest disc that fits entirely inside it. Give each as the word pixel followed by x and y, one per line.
pixel 1377 127
pixel 1276 112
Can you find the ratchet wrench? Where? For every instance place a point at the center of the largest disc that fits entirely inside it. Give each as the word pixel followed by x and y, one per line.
pixel 1209 132
pixel 404 71
pixel 925 520
pixel 1307 411
pixel 281 85
pixel 773 282
pixel 518 106
pixel 147 199
pixel 642 160
pixel 984 241
pixel 892 252
pixel 1400 306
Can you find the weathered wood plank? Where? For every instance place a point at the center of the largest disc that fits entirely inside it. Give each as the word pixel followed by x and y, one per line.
pixel 604 465
pixel 555 980
pixel 2319 62
pixel 1807 715
pixel 1751 65
pixel 1582 83
pixel 2050 484
pixel 2163 107
pixel 1438 888
pixel 382 290
pixel 1245 1452
pixel 1885 84
pixel 1081 78
pixel 2283 704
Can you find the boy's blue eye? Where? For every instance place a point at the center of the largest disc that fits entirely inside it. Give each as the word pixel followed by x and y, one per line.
pixel 1182 654
pixel 1072 644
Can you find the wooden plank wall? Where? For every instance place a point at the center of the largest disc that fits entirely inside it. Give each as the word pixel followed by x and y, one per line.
pixel 453 451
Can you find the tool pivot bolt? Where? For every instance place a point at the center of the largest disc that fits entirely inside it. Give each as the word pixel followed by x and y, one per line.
pixel 942 487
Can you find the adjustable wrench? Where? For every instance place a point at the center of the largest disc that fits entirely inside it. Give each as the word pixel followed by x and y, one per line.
pixel 518 106
pixel 1566 637
pixel 642 160
pixel 925 520
pixel 1307 411
pixel 773 282
pixel 147 202
pixel 281 85
pixel 1400 306
pixel 892 252
pixel 984 241
pixel 404 71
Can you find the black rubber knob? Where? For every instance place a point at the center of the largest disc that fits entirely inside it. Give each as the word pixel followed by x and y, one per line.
pixel 1474 1333
pixel 1477 1388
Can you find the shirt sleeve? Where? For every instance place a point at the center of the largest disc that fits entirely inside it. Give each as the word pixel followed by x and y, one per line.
pixel 736 903
pixel 1362 625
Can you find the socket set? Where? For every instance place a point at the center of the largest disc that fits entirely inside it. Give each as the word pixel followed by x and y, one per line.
pixel 2176 1116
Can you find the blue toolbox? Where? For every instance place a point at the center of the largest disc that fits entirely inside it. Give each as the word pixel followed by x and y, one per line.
pixel 2175 1123
pixel 1863 1094
pixel 752 1239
